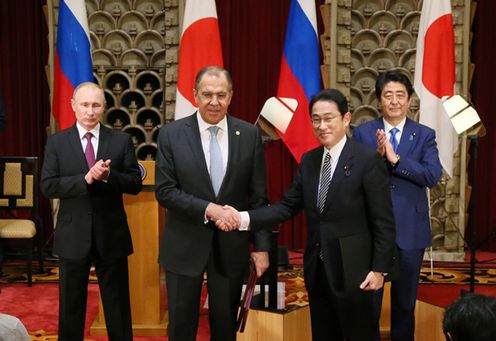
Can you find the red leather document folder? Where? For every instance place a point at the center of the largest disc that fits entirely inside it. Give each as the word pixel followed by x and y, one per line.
pixel 247 297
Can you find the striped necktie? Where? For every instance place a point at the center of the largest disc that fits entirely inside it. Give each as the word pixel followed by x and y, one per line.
pixel 325 180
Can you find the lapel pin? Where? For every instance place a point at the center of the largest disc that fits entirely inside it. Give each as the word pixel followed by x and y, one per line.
pixel 346 169
pixel 412 135
pixel 237 132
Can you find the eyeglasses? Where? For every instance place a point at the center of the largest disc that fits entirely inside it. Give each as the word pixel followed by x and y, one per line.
pixel 316 122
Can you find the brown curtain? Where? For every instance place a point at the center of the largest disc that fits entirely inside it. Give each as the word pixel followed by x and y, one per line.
pixel 483 204
pixel 23 82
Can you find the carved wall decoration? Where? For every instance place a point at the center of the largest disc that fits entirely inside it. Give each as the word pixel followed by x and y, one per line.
pixel 128 40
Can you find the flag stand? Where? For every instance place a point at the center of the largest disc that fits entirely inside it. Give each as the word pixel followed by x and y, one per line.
pixel 465 120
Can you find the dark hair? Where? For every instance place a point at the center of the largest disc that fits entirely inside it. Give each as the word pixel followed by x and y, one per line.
pixel 213 70
pixel 330 95
pixel 471 318
pixel 392 76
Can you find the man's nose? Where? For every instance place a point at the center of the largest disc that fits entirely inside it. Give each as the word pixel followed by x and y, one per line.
pixel 215 100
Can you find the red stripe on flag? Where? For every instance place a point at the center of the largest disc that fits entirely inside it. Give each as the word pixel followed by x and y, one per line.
pixel 62 94
pixel 438 72
pixel 194 55
pixel 299 136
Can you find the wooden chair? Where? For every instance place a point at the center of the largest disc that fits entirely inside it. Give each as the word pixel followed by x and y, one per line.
pixel 19 192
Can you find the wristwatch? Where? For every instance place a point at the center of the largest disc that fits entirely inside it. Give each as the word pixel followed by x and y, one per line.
pixel 397 161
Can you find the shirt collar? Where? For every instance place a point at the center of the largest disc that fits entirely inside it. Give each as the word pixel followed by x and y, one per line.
pixel 222 124
pixel 336 150
pixel 95 131
pixel 388 126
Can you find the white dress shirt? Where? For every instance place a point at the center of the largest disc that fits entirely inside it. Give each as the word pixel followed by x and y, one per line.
pixel 388 127
pixel 94 139
pixel 222 138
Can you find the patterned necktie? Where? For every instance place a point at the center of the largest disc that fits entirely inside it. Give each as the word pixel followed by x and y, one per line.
pixel 393 140
pixel 325 180
pixel 89 152
pixel 216 165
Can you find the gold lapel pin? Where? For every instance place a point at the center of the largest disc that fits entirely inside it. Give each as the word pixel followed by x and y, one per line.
pixel 237 132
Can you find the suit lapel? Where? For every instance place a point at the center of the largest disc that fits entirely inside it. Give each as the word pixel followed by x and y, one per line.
pixel 103 143
pixel 341 170
pixel 77 149
pixel 313 178
pixel 233 150
pixel 192 133
pixel 408 136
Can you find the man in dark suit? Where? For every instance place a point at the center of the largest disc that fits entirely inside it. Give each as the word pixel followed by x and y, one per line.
pixel 88 167
pixel 410 152
pixel 205 161
pixel 343 188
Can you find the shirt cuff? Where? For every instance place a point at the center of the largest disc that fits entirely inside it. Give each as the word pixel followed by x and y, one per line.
pixel 245 221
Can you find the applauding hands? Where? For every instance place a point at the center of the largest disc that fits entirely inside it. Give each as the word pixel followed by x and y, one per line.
pixel 99 172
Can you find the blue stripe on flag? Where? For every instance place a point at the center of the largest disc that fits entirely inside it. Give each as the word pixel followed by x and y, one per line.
pixel 73 47
pixel 301 49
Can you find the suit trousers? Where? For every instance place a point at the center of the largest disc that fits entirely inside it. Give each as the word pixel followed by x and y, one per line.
pixel 339 316
pixel 114 289
pixel 184 293
pixel 403 296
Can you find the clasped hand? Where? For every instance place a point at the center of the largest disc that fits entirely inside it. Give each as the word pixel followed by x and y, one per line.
pixel 384 146
pixel 100 171
pixel 226 217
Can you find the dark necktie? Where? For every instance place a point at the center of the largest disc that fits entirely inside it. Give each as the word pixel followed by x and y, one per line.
pixel 325 180
pixel 89 152
pixel 216 165
pixel 393 140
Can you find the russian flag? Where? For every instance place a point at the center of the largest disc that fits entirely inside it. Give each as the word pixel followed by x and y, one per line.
pixel 299 77
pixel 200 46
pixel 72 59
pixel 435 74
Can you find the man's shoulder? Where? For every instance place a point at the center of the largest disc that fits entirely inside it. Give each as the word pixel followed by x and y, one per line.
pixel 361 148
pixel 420 125
pixel 239 123
pixel 114 133
pixel 62 134
pixel 371 124
pixel 179 123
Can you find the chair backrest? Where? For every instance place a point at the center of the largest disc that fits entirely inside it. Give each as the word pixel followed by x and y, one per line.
pixel 19 184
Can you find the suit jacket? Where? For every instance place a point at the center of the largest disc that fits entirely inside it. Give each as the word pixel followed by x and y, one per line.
pixel 419 168
pixel 90 211
pixel 355 230
pixel 184 188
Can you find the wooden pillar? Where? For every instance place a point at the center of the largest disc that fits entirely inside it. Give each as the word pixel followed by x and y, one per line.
pixel 142 210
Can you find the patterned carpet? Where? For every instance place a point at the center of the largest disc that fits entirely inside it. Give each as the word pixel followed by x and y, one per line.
pixel 14 272
pixel 457 275
pixel 296 295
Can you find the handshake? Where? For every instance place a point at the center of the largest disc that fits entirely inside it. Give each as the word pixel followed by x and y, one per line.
pixel 226 217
